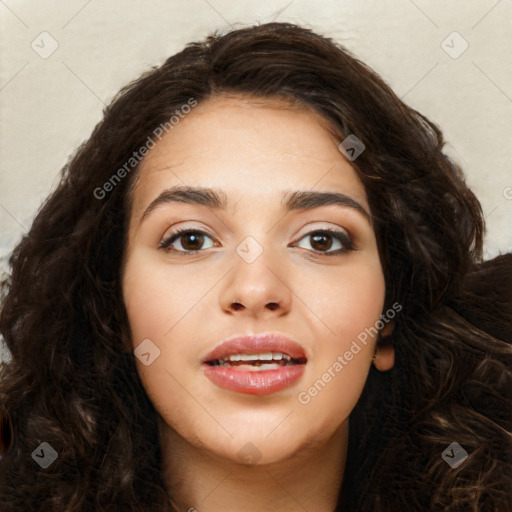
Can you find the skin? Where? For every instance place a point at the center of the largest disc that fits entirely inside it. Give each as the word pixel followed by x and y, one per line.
pixel 251 149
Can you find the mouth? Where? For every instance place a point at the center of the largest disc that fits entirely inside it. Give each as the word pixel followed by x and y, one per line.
pixel 257 365
pixel 257 362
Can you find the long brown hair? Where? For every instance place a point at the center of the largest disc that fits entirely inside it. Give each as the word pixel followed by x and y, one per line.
pixel 72 380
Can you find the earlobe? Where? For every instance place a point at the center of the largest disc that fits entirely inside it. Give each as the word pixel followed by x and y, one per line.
pixel 384 357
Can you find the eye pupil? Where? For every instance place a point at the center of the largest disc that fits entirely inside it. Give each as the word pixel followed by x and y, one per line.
pixel 317 239
pixel 199 240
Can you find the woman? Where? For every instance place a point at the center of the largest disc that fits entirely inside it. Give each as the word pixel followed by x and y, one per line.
pixel 258 286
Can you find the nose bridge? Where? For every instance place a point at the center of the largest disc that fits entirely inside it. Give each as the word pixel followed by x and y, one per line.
pixel 257 282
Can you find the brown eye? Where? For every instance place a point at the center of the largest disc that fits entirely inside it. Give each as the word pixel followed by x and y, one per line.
pixel 188 241
pixel 191 241
pixel 321 241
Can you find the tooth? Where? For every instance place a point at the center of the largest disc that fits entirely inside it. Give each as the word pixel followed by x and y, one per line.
pixel 248 357
pixel 271 366
pixel 265 356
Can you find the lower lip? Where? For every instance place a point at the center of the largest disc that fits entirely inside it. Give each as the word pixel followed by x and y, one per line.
pixel 262 382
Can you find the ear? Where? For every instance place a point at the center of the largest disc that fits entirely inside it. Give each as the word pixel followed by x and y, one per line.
pixel 387 330
pixel 384 357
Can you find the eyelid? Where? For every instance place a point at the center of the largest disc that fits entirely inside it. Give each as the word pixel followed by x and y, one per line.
pixel 325 226
pixel 179 228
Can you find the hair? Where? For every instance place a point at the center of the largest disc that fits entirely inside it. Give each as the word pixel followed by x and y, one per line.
pixel 72 380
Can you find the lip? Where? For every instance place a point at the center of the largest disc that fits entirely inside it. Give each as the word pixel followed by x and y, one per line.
pixel 256 382
pixel 256 344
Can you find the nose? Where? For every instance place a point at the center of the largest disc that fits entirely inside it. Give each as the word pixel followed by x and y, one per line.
pixel 257 289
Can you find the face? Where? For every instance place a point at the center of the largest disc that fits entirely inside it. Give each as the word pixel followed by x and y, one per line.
pixel 307 270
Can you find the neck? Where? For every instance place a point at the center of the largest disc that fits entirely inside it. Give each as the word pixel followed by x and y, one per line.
pixel 200 481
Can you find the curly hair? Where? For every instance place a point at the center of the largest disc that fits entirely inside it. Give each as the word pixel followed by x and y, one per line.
pixel 72 380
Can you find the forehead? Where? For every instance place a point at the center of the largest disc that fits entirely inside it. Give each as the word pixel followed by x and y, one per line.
pixel 249 147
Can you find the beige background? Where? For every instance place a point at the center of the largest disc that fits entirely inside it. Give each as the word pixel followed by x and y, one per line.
pixel 50 102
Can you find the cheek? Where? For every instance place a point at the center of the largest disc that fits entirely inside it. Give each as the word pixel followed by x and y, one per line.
pixel 348 303
pixel 351 309
pixel 152 299
pixel 362 295
pixel 153 309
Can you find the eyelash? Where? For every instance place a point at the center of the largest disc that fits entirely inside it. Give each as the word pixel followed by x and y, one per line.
pixel 342 237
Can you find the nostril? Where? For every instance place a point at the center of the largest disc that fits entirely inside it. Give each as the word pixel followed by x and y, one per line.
pixel 271 305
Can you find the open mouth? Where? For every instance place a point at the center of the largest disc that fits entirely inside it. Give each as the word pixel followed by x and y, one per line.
pixel 257 362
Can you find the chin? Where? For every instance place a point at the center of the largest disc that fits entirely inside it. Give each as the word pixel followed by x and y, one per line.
pixel 261 448
pixel 258 451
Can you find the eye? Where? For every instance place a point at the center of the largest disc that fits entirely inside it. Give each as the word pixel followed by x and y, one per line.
pixel 190 240
pixel 322 241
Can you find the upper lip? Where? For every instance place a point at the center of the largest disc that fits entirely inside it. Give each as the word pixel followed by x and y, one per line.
pixel 256 344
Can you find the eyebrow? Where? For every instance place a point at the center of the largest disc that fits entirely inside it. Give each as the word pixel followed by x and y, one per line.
pixel 217 199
